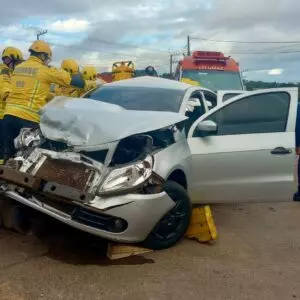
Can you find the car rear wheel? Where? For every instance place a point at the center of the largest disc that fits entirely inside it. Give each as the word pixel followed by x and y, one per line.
pixel 172 227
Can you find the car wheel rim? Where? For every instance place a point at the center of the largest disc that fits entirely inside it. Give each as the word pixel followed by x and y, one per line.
pixel 168 226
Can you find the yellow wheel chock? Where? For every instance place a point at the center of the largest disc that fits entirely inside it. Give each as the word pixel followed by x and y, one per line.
pixel 202 226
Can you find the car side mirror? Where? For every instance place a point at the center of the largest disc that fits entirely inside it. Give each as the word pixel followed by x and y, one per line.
pixel 207 126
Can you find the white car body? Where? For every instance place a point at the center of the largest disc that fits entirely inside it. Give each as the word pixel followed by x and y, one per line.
pixel 241 150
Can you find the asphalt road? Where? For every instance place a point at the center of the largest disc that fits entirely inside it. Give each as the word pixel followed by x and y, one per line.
pixel 256 257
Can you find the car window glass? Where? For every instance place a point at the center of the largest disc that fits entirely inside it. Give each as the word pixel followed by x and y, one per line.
pixel 215 80
pixel 229 96
pixel 211 98
pixel 139 98
pixel 262 113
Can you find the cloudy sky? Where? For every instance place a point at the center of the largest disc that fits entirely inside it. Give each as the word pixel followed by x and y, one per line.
pixel 101 32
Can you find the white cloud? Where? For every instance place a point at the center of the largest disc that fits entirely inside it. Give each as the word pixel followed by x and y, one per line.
pixel 70 25
pixel 16 32
pixel 23 46
pixel 163 24
pixel 275 72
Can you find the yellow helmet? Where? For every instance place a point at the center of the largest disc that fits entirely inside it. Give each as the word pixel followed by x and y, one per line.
pixel 41 47
pixel 89 73
pixel 12 53
pixel 70 65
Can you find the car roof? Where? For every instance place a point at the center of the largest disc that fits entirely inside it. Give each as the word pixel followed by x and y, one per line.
pixel 148 81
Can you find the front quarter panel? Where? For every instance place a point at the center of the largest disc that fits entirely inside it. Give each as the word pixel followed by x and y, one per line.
pixel 174 157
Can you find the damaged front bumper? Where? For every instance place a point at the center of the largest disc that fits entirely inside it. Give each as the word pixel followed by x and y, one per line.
pixel 123 218
pixel 140 213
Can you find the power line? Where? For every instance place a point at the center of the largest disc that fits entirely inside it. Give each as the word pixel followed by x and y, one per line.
pixel 265 53
pixel 125 45
pixel 245 42
pixel 285 47
pixel 99 40
pixel 90 49
pixel 39 32
pixel 82 49
pixel 111 42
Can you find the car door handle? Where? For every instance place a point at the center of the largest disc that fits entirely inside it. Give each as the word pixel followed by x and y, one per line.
pixel 281 151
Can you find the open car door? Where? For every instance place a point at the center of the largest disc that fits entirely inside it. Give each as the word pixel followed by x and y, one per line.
pixel 225 95
pixel 244 150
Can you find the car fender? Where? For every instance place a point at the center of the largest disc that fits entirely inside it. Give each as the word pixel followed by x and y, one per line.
pixel 172 158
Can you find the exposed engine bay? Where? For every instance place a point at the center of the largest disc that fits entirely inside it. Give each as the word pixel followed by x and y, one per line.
pixel 126 166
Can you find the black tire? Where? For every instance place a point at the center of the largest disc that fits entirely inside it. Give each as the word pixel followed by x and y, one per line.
pixel 172 227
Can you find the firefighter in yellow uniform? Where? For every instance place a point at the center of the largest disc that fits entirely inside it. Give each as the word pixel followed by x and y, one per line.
pixel 52 94
pixel 90 73
pixel 70 66
pixel 30 88
pixel 11 57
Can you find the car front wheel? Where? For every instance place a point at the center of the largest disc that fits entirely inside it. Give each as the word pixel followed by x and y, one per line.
pixel 172 227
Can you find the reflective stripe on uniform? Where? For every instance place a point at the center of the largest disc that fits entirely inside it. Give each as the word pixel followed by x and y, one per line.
pixel 22 112
pixel 36 87
pixel 5 72
pixel 25 108
pixel 4 87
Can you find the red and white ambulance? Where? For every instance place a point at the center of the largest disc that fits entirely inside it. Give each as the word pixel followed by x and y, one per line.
pixel 212 70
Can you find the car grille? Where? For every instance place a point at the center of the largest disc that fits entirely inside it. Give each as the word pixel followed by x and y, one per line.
pixel 54 145
pixel 99 156
pixel 67 173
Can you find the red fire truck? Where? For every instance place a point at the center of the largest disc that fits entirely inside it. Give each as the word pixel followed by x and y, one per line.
pixel 210 69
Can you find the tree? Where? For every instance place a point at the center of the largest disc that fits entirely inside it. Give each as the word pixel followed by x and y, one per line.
pixel 256 85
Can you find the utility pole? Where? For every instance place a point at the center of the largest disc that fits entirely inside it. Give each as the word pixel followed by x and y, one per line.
pixel 172 61
pixel 188 45
pixel 42 32
pixel 171 65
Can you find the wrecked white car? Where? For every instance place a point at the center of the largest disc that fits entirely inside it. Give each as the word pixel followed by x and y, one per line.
pixel 130 173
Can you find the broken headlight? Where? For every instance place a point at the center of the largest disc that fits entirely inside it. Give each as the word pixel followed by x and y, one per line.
pixel 127 178
pixel 28 138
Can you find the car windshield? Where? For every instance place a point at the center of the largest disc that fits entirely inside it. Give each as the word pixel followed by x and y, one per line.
pixel 215 80
pixel 139 98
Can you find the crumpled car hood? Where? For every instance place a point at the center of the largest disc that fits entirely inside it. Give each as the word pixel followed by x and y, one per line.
pixel 86 123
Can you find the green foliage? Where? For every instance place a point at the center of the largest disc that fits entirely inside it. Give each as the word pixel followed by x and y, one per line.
pixel 255 85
